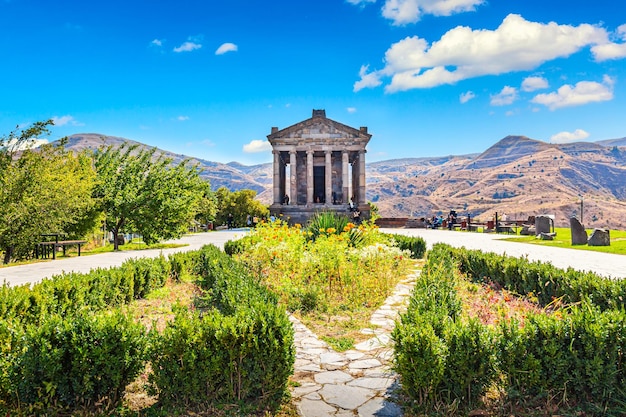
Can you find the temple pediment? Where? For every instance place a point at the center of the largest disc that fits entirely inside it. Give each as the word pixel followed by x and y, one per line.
pixel 319 128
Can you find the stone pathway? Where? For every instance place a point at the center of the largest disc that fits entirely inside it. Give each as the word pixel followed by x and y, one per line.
pixel 358 382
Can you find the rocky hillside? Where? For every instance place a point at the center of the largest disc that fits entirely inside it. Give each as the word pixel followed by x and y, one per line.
pixel 517 176
pixel 233 176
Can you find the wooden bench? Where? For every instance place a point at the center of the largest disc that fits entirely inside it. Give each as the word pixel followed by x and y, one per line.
pixel 45 249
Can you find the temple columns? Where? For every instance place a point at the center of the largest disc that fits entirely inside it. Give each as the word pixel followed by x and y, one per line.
pixel 277 178
pixel 362 196
pixel 309 177
pixel 328 177
pixel 293 178
pixel 345 179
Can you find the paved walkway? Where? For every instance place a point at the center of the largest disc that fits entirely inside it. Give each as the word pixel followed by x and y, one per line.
pixel 606 264
pixel 32 273
pixel 357 382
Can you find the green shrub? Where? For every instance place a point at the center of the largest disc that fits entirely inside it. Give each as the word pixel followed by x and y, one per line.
pixel 243 358
pixel 542 280
pixel 416 245
pixel 420 360
pixel 79 361
pixel 572 355
pixel 235 247
pixel 470 365
pixel 148 274
pixel 11 335
pixel 577 356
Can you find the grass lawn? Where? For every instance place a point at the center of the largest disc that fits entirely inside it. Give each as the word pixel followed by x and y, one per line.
pixel 89 250
pixel 563 239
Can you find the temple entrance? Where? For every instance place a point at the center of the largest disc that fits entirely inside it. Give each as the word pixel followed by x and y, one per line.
pixel 319 193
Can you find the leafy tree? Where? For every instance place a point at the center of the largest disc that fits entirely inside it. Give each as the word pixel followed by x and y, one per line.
pixel 146 194
pixel 207 206
pixel 42 190
pixel 240 204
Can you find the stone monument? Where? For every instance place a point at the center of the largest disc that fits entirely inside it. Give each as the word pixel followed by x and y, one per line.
pixel 600 237
pixel 319 165
pixel 579 234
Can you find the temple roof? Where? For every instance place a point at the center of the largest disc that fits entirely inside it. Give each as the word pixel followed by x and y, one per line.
pixel 319 128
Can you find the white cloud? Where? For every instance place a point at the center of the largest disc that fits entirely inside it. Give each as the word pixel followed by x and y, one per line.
pixel 66 120
pixel 370 80
pixel 188 47
pixel 410 11
pixel 156 42
pixel 464 53
pixel 467 96
pixel 182 118
pixel 360 2
pixel 582 93
pixel 611 50
pixel 351 109
pixel 534 83
pixel 257 146
pixel 505 97
pixel 226 47
pixel 569 137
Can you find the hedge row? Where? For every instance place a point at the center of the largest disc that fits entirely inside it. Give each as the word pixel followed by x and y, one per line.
pixel 416 245
pixel 70 293
pixel 66 343
pixel 443 356
pixel 543 280
pixel 241 350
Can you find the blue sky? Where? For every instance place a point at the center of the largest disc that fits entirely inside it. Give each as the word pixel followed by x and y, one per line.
pixel 210 78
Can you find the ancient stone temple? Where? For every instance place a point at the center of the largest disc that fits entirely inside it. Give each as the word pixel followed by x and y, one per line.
pixel 319 165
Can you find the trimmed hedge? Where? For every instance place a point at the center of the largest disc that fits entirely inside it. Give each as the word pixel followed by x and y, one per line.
pixel 71 293
pixel 542 280
pixel 416 245
pixel 574 355
pixel 79 361
pixel 65 345
pixel 240 351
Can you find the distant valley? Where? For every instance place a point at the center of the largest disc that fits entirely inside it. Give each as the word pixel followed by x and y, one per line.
pixel 517 176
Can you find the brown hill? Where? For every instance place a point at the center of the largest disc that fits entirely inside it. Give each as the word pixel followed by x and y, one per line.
pixel 220 175
pixel 516 176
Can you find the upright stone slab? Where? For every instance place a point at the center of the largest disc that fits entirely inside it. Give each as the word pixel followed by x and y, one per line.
pixel 600 237
pixel 542 225
pixel 579 234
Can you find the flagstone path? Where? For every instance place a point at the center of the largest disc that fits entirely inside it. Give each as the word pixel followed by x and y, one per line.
pixel 357 382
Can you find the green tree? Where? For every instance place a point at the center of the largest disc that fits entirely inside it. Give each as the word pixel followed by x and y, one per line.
pixel 42 190
pixel 207 206
pixel 240 204
pixel 146 194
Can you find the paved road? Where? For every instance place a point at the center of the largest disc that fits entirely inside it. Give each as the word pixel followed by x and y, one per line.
pixel 602 263
pixel 31 273
pixel 606 264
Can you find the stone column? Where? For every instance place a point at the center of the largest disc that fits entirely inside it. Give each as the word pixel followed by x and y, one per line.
pixel 345 180
pixel 328 178
pixel 309 177
pixel 293 180
pixel 362 196
pixel 277 196
pixel 353 181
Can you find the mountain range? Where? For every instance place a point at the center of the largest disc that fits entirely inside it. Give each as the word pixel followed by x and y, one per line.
pixel 517 176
